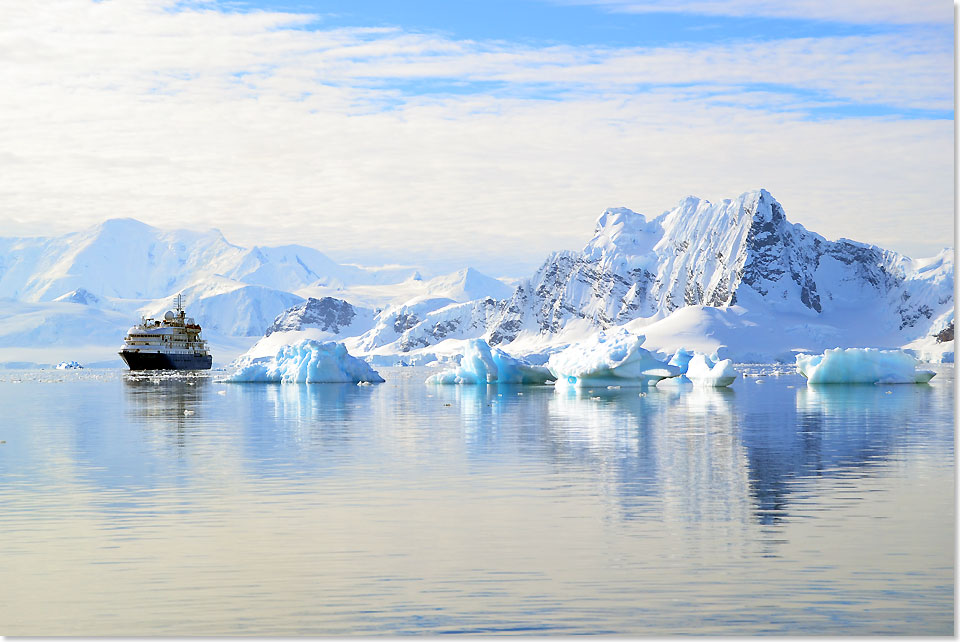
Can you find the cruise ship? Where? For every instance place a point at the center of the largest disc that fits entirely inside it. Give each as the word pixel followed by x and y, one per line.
pixel 170 343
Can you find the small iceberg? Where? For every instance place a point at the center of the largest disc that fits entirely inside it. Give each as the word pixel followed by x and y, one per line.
pixel 482 364
pixel 309 361
pixel 69 365
pixel 703 370
pixel 861 365
pixel 609 359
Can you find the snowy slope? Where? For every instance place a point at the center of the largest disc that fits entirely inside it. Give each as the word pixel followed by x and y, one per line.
pixel 421 313
pixel 461 286
pixel 425 322
pixel 291 267
pixel 128 259
pixel 121 258
pixel 227 306
pixel 128 267
pixel 466 285
pixel 59 324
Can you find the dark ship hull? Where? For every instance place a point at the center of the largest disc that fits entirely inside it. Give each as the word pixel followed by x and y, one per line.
pixel 164 361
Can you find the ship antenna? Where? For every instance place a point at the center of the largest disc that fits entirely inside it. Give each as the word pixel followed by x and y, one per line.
pixel 180 303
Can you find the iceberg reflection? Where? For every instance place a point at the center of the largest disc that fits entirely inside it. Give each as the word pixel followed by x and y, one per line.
pixel 678 453
pixel 679 444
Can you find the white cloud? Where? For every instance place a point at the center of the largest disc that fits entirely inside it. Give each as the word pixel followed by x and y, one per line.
pixel 854 11
pixel 277 134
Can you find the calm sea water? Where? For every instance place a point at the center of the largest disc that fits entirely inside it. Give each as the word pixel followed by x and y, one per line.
pixel 183 506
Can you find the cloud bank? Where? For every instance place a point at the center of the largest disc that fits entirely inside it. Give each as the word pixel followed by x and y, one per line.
pixel 390 145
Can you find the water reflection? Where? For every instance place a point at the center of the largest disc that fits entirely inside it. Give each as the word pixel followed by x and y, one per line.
pixel 497 417
pixel 828 431
pixel 403 507
pixel 295 430
pixel 847 401
pixel 678 444
pixel 167 402
pixel 751 453
pixel 699 454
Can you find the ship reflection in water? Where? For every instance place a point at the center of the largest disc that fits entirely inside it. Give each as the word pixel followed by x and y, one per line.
pixel 168 403
pixel 768 507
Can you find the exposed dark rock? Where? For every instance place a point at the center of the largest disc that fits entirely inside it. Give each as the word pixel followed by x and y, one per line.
pixel 946 334
pixel 328 314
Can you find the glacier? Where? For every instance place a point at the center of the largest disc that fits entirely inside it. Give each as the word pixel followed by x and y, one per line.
pixel 308 361
pixel 613 358
pixel 855 365
pixel 481 364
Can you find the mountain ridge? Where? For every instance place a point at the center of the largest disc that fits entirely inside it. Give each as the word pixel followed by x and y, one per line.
pixel 764 275
pixel 126 266
pixel 740 250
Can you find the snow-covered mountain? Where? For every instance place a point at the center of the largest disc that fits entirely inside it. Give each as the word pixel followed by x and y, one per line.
pixel 735 276
pixel 228 306
pixel 128 259
pixel 741 252
pixel 86 288
pixel 120 258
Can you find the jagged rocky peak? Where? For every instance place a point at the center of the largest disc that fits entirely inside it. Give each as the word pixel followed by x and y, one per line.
pixel 740 251
pixel 692 225
pixel 327 314
pixel 757 210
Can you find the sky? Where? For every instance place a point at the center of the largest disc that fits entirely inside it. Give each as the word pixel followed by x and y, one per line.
pixel 483 133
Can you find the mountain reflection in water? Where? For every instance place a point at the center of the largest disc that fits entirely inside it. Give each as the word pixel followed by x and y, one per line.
pixel 768 507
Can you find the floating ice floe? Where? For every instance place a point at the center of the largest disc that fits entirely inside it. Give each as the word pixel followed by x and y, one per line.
pixel 861 365
pixel 704 371
pixel 609 359
pixel 483 364
pixel 68 365
pixel 308 361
